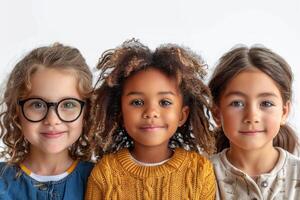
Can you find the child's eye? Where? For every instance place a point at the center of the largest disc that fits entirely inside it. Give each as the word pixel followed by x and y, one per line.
pixel 267 104
pixel 237 104
pixel 137 102
pixel 165 103
pixel 69 105
pixel 37 105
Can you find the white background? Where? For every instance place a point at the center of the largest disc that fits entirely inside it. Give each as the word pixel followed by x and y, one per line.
pixel 210 28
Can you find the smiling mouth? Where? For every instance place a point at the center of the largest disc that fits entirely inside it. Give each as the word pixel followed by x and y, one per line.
pixel 55 134
pixel 151 128
pixel 251 132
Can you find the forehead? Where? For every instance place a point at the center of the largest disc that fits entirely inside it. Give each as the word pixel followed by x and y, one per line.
pixel 151 80
pixel 54 84
pixel 252 81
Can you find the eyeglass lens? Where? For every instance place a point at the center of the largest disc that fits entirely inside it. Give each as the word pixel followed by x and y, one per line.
pixel 37 109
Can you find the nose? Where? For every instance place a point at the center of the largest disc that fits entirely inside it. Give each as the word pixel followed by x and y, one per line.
pixel 151 112
pixel 251 115
pixel 52 118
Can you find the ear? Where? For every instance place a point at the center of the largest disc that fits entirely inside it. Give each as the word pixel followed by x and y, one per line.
pixel 185 111
pixel 285 112
pixel 216 115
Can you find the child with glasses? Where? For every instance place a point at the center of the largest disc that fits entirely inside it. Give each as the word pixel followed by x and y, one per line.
pixel 43 126
pixel 149 118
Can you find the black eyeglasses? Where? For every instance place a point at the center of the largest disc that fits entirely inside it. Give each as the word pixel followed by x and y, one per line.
pixel 36 109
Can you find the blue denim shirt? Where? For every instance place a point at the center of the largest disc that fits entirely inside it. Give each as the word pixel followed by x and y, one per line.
pixel 23 187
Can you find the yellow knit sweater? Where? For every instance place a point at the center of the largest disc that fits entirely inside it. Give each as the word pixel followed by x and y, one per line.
pixel 187 175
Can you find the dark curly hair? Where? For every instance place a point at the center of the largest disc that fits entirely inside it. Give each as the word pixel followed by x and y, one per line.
pixel 18 86
pixel 241 58
pixel 118 64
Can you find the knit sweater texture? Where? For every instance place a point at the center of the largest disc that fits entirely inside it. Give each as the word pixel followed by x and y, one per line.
pixel 187 175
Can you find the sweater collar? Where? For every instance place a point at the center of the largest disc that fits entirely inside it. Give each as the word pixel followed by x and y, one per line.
pixel 279 165
pixel 125 160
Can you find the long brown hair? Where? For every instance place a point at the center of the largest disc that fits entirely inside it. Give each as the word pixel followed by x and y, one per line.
pixel 18 86
pixel 118 64
pixel 239 59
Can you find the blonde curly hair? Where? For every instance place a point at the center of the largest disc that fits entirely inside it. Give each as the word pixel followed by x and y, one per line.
pixel 56 56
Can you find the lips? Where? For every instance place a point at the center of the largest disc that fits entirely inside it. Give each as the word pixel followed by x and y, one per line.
pixel 251 132
pixel 52 134
pixel 151 128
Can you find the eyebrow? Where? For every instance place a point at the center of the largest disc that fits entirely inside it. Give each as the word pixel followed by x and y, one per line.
pixel 159 93
pixel 47 99
pixel 263 94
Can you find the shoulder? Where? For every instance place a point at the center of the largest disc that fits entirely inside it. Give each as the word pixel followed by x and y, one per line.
pixel 108 159
pixel 80 173
pixel 288 167
pixel 219 160
pixel 197 161
pixel 215 157
pixel 85 165
pixel 201 169
pixel 105 164
pixel 196 156
pixel 104 169
pixel 8 170
pixel 3 165
pixel 291 160
pixel 296 150
pixel 12 182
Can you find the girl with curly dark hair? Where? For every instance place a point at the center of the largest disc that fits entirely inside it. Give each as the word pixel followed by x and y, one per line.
pixel 150 119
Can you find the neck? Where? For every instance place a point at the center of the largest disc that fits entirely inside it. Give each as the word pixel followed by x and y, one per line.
pixel 151 154
pixel 253 162
pixel 48 164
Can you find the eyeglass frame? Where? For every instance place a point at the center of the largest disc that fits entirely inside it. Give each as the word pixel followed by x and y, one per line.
pixel 49 104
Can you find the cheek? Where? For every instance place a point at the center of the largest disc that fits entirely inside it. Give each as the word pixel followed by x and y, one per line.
pixel 273 121
pixel 75 129
pixel 29 129
pixel 126 112
pixel 172 115
pixel 129 118
pixel 230 122
pixel 26 125
pixel 173 118
pixel 77 125
pixel 129 113
pixel 230 117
